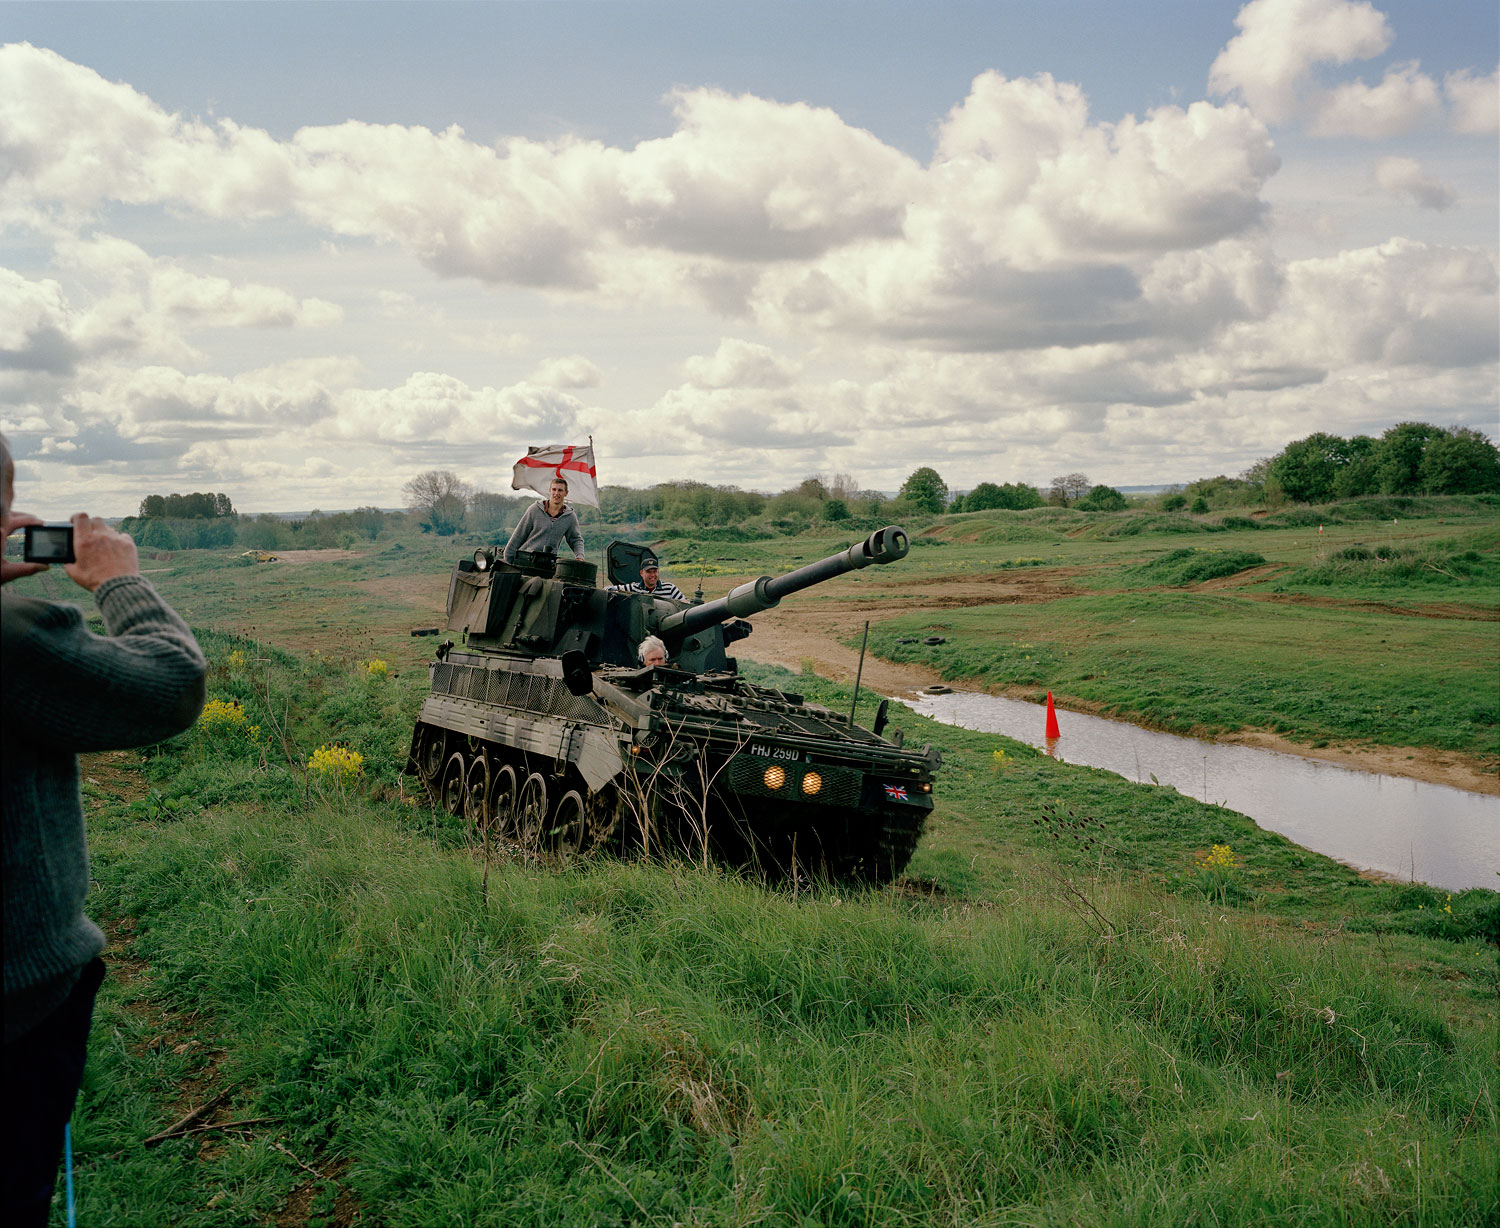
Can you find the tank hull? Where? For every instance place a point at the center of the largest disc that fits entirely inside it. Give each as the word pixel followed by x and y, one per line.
pixel 662 761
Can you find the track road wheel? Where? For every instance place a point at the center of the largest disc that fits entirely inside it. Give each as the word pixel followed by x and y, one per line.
pixel 477 793
pixel 568 831
pixel 451 790
pixel 431 754
pixel 531 812
pixel 503 799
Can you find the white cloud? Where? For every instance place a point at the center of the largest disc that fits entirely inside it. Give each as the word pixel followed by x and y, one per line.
pixel 73 140
pixel 574 371
pixel 1282 41
pixel 1475 101
pixel 433 408
pixel 1402 303
pixel 1405 177
pixel 125 302
pixel 740 364
pixel 1404 99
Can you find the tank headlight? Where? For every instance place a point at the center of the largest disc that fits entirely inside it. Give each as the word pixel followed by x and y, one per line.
pixel 482 559
pixel 775 776
pixel 811 783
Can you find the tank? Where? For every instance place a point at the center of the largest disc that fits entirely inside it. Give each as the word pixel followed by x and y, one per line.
pixel 542 727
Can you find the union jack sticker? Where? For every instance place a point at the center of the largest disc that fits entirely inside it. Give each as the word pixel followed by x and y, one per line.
pixel 896 792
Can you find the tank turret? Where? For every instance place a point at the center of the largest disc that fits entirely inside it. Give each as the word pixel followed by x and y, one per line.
pixel 543 725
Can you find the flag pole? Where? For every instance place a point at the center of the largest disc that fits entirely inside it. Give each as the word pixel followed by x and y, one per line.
pixel 603 553
pixel 853 703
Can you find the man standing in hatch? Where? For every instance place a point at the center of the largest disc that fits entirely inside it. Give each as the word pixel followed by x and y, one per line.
pixel 546 524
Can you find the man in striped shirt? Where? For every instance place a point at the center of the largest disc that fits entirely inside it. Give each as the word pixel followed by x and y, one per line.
pixel 651 582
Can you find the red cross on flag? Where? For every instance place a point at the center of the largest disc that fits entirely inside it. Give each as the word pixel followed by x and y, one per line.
pixel 574 463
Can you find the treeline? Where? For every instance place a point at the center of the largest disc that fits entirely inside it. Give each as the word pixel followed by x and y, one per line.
pixel 442 503
pixel 315 531
pixel 200 505
pixel 1412 458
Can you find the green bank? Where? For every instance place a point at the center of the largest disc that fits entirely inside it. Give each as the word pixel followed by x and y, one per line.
pixel 1075 1009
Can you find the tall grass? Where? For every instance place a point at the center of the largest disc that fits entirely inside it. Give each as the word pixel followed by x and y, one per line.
pixel 632 1043
pixel 629 1043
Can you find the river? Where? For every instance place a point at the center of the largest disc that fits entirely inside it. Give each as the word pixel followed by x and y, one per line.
pixel 1408 829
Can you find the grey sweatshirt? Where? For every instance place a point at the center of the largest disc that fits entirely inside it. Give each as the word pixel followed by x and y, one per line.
pixel 63 690
pixel 540 530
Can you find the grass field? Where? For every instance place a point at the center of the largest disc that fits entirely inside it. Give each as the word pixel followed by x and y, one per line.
pixel 1074 1009
pixel 1088 1002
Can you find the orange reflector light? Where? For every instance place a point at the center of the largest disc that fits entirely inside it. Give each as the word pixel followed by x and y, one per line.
pixel 811 783
pixel 775 776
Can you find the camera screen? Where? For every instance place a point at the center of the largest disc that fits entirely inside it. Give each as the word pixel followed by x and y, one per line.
pixel 49 543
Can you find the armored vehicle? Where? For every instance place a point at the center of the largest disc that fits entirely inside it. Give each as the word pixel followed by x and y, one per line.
pixel 542 725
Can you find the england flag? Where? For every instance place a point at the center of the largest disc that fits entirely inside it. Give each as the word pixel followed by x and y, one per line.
pixel 574 463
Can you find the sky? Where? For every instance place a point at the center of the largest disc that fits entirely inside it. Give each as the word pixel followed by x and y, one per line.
pixel 301 252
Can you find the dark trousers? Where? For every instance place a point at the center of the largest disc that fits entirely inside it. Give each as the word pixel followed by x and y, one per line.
pixel 42 1073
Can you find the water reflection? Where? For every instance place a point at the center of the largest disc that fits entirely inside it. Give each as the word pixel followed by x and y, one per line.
pixel 1407 828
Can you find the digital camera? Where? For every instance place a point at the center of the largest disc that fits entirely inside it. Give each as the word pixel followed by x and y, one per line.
pixel 49 543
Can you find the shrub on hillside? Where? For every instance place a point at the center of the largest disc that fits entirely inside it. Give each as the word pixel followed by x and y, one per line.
pixel 1194 566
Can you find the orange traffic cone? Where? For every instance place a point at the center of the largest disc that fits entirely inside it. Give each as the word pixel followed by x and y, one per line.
pixel 1052 730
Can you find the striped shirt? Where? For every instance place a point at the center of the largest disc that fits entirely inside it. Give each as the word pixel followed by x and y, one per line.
pixel 664 588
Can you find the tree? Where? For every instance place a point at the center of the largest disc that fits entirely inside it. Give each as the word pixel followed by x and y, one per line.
pixel 842 486
pixel 1461 462
pixel 1069 488
pixel 438 498
pixel 1360 474
pixel 1307 469
pixel 925 491
pixel 1399 460
pixel 156 535
pixel 368 520
pixel 1011 496
pixel 835 510
pixel 490 512
pixel 154 505
pixel 1103 499
pixel 1174 502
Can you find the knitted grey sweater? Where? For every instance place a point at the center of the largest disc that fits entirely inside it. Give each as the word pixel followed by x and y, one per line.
pixel 539 529
pixel 67 690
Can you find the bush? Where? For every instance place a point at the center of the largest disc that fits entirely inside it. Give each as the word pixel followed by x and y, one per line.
pixel 1102 499
pixel 1180 567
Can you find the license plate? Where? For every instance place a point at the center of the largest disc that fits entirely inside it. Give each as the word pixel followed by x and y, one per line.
pixel 782 754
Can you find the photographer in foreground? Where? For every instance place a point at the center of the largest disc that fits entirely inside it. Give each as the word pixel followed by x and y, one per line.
pixel 65 690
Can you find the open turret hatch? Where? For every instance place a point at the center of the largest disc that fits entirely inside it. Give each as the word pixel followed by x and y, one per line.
pixel 624 561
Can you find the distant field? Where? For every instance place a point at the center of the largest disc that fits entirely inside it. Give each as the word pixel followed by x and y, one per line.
pixel 1380 630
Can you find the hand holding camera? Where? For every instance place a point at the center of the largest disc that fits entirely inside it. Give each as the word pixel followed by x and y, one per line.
pixel 91 552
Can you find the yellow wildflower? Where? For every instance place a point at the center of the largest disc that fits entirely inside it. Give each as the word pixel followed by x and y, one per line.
pixel 1219 857
pixel 336 763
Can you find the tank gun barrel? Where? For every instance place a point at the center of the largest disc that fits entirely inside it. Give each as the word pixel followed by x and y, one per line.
pixel 883 546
